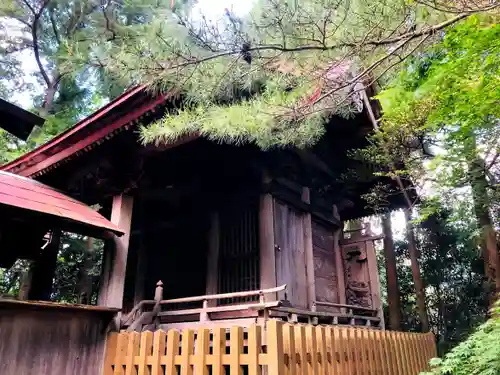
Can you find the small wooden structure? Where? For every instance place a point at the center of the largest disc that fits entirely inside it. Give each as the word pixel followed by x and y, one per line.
pixel 237 236
pixel 212 219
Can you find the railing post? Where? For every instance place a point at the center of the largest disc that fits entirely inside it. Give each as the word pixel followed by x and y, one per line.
pixel 275 351
pixel 204 315
pixel 159 291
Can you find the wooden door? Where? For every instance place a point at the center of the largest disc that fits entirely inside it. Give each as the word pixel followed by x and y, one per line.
pixel 325 273
pixel 290 254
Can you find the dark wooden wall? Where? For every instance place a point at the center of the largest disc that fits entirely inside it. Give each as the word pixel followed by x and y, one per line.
pixel 51 342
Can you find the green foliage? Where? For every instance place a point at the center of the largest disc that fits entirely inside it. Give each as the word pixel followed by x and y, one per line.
pixel 478 355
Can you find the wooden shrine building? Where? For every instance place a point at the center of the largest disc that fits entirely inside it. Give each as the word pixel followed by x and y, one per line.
pixel 216 223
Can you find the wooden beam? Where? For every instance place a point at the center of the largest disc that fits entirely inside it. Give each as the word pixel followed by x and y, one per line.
pixel 43 269
pixel 213 257
pixel 339 261
pixel 115 258
pixel 374 279
pixel 266 243
pixel 308 249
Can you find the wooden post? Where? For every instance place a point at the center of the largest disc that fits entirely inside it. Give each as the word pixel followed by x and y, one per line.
pixel 140 274
pixel 213 258
pixel 339 261
pixel 308 249
pixel 44 268
pixel 115 262
pixel 266 243
pixel 371 259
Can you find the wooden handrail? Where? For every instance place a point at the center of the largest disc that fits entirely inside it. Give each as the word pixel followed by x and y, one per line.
pixel 224 295
pixel 129 317
pixel 253 306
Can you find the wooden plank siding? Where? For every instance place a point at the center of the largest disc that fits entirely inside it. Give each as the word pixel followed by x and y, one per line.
pixel 290 254
pixel 280 349
pixel 52 341
pixel 325 267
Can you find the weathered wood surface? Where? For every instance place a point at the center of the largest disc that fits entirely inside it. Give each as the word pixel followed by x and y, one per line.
pixel 325 268
pixel 36 339
pixel 290 349
pixel 290 254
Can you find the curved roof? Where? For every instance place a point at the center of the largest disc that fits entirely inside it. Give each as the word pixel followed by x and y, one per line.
pixel 30 195
pixel 118 115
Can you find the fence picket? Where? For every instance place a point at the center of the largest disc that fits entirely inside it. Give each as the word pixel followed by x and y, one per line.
pixel 324 367
pixel 132 351
pixel 235 350
pixel 275 351
pixel 146 344
pixel 187 349
pixel 173 339
pixel 202 350
pixel 291 350
pixel 312 349
pixel 159 346
pixel 254 348
pixel 218 350
pixel 300 341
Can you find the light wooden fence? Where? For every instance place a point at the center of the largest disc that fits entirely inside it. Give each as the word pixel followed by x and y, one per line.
pixel 282 349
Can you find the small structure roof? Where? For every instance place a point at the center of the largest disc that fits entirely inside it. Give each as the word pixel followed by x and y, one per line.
pixel 18 121
pixel 30 195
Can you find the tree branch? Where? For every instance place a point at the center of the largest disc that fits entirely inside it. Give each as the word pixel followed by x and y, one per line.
pixel 36 47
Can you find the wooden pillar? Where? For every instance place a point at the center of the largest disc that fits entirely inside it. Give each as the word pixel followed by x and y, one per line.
pixel 213 257
pixel 308 249
pixel 140 274
pixel 339 261
pixel 371 259
pixel 266 244
pixel 115 254
pixel 44 266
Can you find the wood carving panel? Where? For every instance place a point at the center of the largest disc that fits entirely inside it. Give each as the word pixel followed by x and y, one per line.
pixel 357 275
pixel 325 276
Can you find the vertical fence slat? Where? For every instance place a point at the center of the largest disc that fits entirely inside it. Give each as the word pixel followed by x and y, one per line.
pixel 380 349
pixel 110 355
pixel 121 353
pixel 414 353
pixel 289 348
pixel 218 350
pixel 145 351
pixel 336 346
pixel 159 346
pixel 300 341
pixel 235 350
pixel 173 339
pixel 391 348
pixel 321 336
pixel 187 349
pixel 275 348
pixel 132 351
pixel 312 349
pixel 202 350
pixel 254 348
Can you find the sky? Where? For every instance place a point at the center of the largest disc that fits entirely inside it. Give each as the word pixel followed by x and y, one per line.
pixel 212 9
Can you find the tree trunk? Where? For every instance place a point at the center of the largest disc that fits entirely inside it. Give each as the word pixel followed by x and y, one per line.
pixel 489 247
pixel 415 271
pixel 393 295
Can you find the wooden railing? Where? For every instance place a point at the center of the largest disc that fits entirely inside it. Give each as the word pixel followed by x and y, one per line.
pixel 137 317
pixel 280 349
